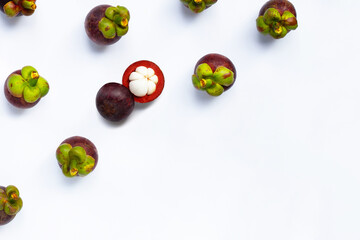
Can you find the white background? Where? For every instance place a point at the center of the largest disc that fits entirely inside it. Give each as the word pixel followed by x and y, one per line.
pixel 275 157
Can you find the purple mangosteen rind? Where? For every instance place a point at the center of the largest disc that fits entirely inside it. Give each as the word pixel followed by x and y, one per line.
pixel 277 18
pixel 198 6
pixel 10 203
pixel 114 102
pixel 212 68
pixel 105 24
pixel 18 8
pixel 77 156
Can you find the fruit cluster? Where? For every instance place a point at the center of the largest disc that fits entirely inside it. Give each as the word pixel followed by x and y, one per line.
pixel 142 82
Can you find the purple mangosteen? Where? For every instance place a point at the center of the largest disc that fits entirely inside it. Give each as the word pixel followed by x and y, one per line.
pixel 114 102
pixel 277 18
pixel 10 203
pixel 214 73
pixel 77 156
pixel 18 7
pixel 106 24
pixel 24 88
pixel 198 5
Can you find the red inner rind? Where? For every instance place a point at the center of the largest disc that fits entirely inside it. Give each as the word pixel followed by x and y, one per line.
pixel 159 85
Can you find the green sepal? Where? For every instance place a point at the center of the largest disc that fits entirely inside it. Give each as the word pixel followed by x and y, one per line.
pixel 43 85
pixel 87 166
pixel 271 15
pixel 107 28
pixel 12 189
pixel 15 85
pixel 261 25
pixel 278 33
pixel 197 7
pixel 215 90
pixel 27 71
pixel 289 20
pixel 10 209
pixel 110 12
pixel 121 31
pixel 77 154
pixel 124 12
pixel 204 71
pixel 62 153
pixel 223 76
pixel 11 9
pixel 196 81
pixel 31 94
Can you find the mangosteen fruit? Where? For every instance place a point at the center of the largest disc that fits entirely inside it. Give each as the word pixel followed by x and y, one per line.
pixel 10 203
pixel 114 102
pixel 25 87
pixel 145 81
pixel 77 156
pixel 277 18
pixel 198 6
pixel 106 24
pixel 214 73
pixel 18 7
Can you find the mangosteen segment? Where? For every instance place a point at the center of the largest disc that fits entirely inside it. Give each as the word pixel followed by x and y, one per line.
pixel 28 85
pixel 198 6
pixel 77 156
pixel 277 18
pixel 10 203
pixel 18 7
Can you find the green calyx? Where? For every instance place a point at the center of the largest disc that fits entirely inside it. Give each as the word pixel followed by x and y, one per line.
pixel 14 7
pixel 212 82
pixel 115 23
pixel 198 6
pixel 28 85
pixel 10 201
pixel 74 161
pixel 275 24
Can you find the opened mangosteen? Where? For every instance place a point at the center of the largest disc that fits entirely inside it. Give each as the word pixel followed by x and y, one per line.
pixel 214 73
pixel 18 7
pixel 106 24
pixel 114 102
pixel 145 81
pixel 10 203
pixel 198 5
pixel 277 18
pixel 24 88
pixel 77 156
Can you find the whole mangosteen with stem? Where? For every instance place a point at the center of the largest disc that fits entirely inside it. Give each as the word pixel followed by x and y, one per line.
pixel 10 203
pixel 145 80
pixel 106 24
pixel 214 73
pixel 18 7
pixel 277 18
pixel 77 156
pixel 198 6
pixel 24 88
pixel 114 102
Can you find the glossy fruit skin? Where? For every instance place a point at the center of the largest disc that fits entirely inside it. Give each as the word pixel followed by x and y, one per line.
pixel 215 60
pixel 4 218
pixel 159 85
pixel 280 5
pixel 15 101
pixel 91 26
pixel 114 102
pixel 85 143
